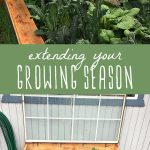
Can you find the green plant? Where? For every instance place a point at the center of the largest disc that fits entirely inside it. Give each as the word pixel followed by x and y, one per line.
pixel 94 148
pixel 122 26
pixel 67 21
pixel 87 21
pixel 144 15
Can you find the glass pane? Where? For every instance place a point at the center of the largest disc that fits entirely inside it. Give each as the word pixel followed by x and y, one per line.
pixel 86 108
pixel 35 106
pixel 111 108
pixel 107 130
pixel 60 113
pixel 60 107
pixel 36 129
pixel 60 129
pixel 84 130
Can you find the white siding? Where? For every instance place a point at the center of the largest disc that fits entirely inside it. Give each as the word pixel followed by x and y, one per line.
pixel 15 116
pixel 135 133
pixel 136 128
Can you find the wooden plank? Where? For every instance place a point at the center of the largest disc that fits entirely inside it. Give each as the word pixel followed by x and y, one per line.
pixel 52 146
pixel 23 25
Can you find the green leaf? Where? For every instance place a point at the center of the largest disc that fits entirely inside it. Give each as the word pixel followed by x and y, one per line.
pixel 105 35
pixel 133 12
pixel 104 7
pixel 91 8
pixel 83 41
pixel 147 36
pixel 65 19
pixel 36 10
pixel 126 23
pixel 53 9
pixel 51 15
pixel 49 23
pixel 39 32
pixel 36 17
pixel 126 32
pixel 115 13
pixel 115 40
pixel 144 1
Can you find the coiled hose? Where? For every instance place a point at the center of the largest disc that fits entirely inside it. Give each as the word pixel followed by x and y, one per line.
pixel 7 132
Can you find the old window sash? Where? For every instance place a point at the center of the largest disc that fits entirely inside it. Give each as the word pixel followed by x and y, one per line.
pixel 72 119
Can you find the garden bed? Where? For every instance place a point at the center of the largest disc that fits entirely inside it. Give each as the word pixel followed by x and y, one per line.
pixel 46 146
pixel 91 21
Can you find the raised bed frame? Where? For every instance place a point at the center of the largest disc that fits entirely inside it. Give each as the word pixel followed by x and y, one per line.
pixel 23 24
pixel 46 146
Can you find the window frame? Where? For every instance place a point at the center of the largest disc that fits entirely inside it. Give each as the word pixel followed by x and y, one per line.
pixel 72 118
pixel 131 101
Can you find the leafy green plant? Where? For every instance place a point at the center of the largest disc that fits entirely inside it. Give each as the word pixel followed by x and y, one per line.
pixel 144 15
pixel 122 26
pixel 87 21
pixel 67 21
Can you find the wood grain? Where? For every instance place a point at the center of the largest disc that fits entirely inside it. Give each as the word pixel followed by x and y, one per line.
pixel 1 1
pixel 23 25
pixel 48 146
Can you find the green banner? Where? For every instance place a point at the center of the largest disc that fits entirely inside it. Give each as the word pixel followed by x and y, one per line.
pixel 74 69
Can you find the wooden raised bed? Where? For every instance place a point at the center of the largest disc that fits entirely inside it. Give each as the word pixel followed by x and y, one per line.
pixel 23 24
pixel 46 146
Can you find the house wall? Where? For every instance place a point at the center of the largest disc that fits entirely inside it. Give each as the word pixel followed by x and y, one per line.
pixel 136 127
pixel 15 115
pixel 135 133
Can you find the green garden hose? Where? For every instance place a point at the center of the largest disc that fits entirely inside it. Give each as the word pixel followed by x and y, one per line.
pixel 8 132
